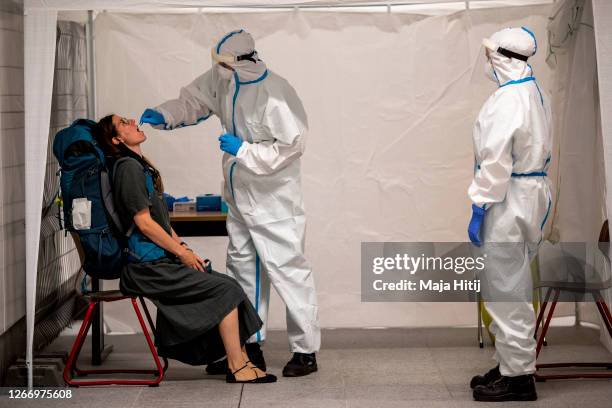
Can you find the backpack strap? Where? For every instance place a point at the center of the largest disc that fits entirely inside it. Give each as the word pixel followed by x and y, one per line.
pixel 140 247
pixel 130 230
pixel 149 185
pixel 106 187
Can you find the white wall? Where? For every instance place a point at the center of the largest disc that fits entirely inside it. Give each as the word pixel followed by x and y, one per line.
pixel 12 232
pixel 389 155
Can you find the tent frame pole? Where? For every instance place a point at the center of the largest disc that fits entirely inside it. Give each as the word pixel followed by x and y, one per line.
pixel 326 6
pixel 91 72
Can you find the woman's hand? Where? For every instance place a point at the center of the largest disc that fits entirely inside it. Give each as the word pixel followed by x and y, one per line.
pixel 190 259
pixel 170 242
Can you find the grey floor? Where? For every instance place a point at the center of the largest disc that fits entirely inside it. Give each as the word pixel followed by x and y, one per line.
pixel 357 368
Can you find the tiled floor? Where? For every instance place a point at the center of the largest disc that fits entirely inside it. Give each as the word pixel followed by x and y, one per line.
pixel 357 368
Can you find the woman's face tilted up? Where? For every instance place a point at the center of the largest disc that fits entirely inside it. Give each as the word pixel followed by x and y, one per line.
pixel 128 132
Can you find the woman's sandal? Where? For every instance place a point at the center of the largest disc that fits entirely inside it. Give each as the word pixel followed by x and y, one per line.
pixel 231 378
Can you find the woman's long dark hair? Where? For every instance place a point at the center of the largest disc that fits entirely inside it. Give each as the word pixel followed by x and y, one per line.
pixel 105 131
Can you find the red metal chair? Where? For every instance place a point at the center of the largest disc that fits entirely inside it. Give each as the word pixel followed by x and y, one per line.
pixel 71 370
pixel 604 311
pixel 594 289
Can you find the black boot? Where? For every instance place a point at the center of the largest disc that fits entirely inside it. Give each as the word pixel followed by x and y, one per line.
pixel 521 388
pixel 492 375
pixel 218 367
pixel 300 364
pixel 256 355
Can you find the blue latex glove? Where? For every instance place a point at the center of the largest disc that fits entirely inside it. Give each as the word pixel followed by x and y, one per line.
pixel 230 143
pixel 475 224
pixel 152 117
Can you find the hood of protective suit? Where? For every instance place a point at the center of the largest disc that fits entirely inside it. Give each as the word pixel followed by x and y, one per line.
pixel 236 44
pixel 518 40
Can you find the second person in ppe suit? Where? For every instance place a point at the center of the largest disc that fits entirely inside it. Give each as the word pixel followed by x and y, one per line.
pixel 511 201
pixel 265 127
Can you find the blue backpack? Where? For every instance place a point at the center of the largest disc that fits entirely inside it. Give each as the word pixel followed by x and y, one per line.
pixel 86 179
pixel 86 184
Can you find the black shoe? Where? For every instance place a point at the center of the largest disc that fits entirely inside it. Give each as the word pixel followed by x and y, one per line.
pixel 492 375
pixel 256 355
pixel 218 367
pixel 521 388
pixel 300 364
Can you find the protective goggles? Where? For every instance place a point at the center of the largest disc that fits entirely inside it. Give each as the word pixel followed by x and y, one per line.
pixel 230 59
pixel 493 47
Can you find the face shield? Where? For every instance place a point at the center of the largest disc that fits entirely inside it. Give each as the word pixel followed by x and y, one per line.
pixel 483 71
pixel 491 51
pixel 222 66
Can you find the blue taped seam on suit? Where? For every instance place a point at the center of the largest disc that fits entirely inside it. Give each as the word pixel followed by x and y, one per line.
pixel 532 174
pixel 237 80
pixel 546 216
pixel 528 79
pixel 496 77
pixel 540 92
pixel 518 81
pixel 257 268
pixel 231 179
pixel 257 279
pixel 201 119
pixel 238 83
pixel 261 78
pixel 224 39
pixel 532 36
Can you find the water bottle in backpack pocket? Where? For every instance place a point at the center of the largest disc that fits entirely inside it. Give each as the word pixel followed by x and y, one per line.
pixel 81 213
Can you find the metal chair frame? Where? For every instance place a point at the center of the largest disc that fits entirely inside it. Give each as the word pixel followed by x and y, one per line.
pixel 604 311
pixel 71 370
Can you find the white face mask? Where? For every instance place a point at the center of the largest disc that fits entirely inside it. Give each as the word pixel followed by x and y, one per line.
pixel 490 71
pixel 224 73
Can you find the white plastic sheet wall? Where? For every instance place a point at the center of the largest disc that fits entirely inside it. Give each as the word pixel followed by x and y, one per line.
pixel 577 125
pixel 577 130
pixel 389 154
pixel 12 175
pixel 602 12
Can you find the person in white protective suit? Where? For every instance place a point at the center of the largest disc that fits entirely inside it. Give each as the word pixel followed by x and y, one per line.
pixel 265 127
pixel 511 202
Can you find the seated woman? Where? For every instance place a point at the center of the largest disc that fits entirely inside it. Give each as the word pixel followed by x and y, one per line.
pixel 201 316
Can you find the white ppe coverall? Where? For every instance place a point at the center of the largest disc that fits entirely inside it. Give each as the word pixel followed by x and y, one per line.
pixel 266 220
pixel 512 144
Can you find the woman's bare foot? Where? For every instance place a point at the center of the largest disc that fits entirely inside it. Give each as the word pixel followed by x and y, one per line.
pixel 259 372
pixel 250 372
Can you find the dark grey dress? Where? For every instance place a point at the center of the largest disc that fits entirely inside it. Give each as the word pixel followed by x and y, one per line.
pixel 190 304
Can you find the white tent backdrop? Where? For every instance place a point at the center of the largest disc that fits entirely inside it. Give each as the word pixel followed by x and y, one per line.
pixel 389 153
pixel 602 13
pixel 390 107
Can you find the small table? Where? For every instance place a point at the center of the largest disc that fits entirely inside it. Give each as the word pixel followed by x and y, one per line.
pixel 199 223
